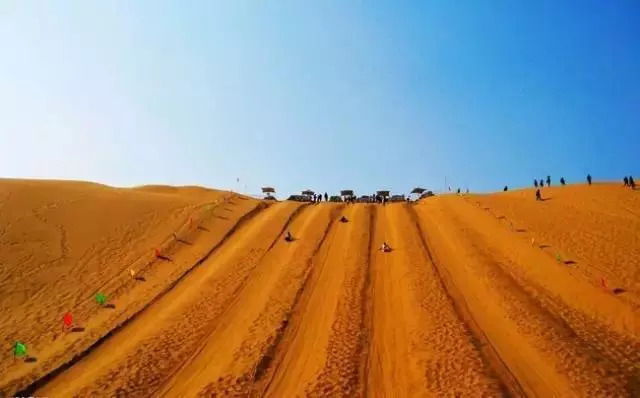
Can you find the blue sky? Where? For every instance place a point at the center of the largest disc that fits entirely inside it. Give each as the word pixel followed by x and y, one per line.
pixel 324 95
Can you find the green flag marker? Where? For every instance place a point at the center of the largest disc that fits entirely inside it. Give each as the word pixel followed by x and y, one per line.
pixel 19 349
pixel 558 258
pixel 101 298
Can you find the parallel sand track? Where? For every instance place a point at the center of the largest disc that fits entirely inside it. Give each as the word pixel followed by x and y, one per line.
pixel 144 354
pixel 321 350
pixel 526 312
pixel 419 347
pixel 252 326
pixel 463 306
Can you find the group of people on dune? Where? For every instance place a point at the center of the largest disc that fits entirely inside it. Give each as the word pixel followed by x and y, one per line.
pixel 629 182
pixel 318 198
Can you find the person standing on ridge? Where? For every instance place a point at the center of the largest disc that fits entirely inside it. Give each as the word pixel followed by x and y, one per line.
pixel 541 182
pixel 548 181
pixel 589 178
pixel 506 188
pixel 632 183
pixel 535 183
pixel 626 181
pixel 562 181
pixel 326 197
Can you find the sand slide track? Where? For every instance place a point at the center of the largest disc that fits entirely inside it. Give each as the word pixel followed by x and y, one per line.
pixel 419 346
pixel 170 331
pixel 252 325
pixel 489 354
pixel 537 345
pixel 326 322
pixel 36 384
pixel 621 351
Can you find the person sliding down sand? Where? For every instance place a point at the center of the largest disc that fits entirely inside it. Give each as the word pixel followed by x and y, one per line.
pixel 385 247
pixel 343 219
pixel 289 237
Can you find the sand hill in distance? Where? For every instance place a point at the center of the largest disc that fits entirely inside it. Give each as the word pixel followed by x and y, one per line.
pixel 482 295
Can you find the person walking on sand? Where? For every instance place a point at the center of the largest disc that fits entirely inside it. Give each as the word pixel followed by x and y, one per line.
pixel 538 195
pixel 589 179
pixel 548 181
pixel 626 181
pixel 632 183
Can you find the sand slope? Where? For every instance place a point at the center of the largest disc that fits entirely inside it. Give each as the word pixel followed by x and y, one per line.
pixel 62 242
pixel 472 301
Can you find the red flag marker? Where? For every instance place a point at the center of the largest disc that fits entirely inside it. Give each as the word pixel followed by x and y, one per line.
pixel 158 253
pixel 190 222
pixel 604 283
pixel 67 319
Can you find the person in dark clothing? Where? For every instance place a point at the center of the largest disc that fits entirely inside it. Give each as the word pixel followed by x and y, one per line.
pixel 632 183
pixel 548 181
pixel 541 182
pixel 538 195
pixel 326 197
pixel 562 181
pixel 589 178
pixel 458 191
pixel 343 219
pixel 505 188
pixel 626 181
pixel 535 183
pixel 288 237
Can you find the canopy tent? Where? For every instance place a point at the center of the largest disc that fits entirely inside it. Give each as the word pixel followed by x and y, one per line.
pixel 268 190
pixel 346 192
pixel 418 190
pixel 308 192
pixel 383 193
pixel 427 194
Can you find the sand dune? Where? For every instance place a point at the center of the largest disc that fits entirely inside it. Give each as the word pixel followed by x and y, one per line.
pixel 482 295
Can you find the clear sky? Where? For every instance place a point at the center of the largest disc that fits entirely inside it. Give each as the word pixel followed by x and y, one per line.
pixel 325 95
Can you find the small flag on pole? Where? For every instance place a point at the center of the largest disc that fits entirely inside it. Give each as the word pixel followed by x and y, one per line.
pixel 604 283
pixel 157 252
pixel 101 299
pixel 19 349
pixel 67 320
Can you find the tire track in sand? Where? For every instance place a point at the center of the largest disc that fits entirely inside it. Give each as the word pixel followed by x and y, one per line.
pixel 241 345
pixel 321 350
pixel 138 358
pixel 419 347
pixel 537 345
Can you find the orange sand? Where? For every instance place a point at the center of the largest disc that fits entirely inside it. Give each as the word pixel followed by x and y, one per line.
pixel 472 301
